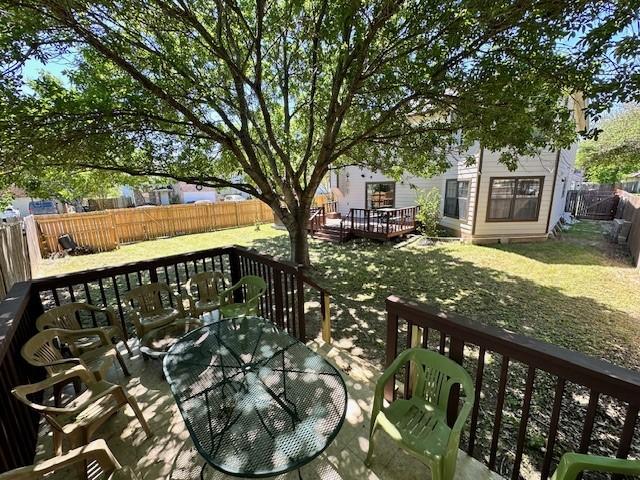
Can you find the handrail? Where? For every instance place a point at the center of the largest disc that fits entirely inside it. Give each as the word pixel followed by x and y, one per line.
pixel 572 372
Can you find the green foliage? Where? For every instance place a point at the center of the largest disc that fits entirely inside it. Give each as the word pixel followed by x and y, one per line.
pixel 267 96
pixel 69 185
pixel 615 153
pixel 5 199
pixel 428 216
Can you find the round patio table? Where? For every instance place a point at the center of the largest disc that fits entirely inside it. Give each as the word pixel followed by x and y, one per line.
pixel 256 401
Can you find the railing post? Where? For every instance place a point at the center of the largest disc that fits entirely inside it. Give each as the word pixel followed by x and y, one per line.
pixel 153 275
pixel 277 291
pixel 325 308
pixel 351 215
pixel 300 303
pixel 236 273
pixel 392 351
pixel 456 353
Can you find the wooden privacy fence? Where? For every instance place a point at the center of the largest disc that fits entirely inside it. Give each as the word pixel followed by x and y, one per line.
pixel 629 209
pixel 14 257
pixel 103 231
pixel 528 394
pixel 594 205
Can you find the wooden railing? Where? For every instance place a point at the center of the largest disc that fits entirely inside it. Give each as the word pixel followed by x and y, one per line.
pixel 317 219
pixel 283 303
pixel 514 377
pixel 382 222
pixel 18 424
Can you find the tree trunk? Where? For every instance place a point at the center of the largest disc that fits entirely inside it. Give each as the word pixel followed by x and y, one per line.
pixel 298 241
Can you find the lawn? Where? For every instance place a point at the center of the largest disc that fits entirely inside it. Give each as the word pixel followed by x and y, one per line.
pixel 576 292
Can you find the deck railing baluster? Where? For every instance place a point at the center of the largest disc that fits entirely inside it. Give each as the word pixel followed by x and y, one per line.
pixel 598 377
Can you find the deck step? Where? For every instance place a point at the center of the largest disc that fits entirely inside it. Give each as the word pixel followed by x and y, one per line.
pixel 327 236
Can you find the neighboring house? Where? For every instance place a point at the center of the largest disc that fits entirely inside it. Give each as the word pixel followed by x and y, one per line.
pixel 484 202
pixel 160 195
pixel 189 193
pixel 21 201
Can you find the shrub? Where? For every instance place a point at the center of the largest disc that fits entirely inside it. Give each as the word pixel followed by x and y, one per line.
pixel 428 216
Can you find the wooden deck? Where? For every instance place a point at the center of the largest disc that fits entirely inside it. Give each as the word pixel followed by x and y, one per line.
pixel 383 224
pixel 171 455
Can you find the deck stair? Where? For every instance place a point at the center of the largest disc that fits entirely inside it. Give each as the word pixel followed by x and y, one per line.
pixel 330 233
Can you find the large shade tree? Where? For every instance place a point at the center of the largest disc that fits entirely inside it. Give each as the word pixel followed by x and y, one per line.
pixel 268 96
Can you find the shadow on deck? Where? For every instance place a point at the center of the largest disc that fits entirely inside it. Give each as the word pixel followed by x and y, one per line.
pixel 170 453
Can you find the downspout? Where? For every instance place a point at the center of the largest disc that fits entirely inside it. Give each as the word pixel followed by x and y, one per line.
pixel 475 205
pixel 553 190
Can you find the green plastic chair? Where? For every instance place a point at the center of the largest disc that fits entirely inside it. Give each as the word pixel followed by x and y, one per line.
pixel 573 464
pixel 253 286
pixel 419 424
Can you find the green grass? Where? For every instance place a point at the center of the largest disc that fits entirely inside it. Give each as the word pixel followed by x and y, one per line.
pixel 160 248
pixel 576 292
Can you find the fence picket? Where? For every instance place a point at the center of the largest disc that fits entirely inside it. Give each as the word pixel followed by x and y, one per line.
pixel 103 231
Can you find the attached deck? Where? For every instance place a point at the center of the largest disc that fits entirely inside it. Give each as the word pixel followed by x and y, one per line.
pixel 382 224
pixel 171 455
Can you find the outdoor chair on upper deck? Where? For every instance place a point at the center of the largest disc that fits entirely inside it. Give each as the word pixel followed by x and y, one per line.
pixel 68 317
pixel 148 310
pixel 202 292
pixel 96 451
pixel 252 287
pixel 572 465
pixel 47 349
pixel 419 424
pixel 79 419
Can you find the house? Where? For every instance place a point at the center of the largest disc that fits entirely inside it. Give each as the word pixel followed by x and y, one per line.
pixel 482 201
pixel 189 193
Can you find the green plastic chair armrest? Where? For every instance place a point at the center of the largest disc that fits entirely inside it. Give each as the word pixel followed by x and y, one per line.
pixel 572 464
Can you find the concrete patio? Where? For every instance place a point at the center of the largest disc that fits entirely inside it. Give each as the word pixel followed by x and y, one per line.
pixel 170 454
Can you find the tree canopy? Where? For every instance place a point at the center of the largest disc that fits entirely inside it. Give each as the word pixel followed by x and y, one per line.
pixel 615 153
pixel 276 93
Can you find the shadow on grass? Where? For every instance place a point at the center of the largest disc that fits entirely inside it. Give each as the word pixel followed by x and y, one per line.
pixel 584 243
pixel 360 275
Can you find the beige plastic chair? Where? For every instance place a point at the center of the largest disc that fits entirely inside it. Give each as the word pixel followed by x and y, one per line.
pixel 78 420
pixel 202 292
pixel 96 451
pixel 43 350
pixel 146 307
pixel 66 316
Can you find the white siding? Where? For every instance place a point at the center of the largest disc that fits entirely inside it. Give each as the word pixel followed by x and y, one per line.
pixel 563 183
pixel 542 165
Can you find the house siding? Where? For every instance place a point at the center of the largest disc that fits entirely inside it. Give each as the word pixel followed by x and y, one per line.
pixel 352 184
pixel 352 188
pixel 542 165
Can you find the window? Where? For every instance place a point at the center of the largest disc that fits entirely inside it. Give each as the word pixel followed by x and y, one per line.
pixel 514 199
pixel 380 195
pixel 456 199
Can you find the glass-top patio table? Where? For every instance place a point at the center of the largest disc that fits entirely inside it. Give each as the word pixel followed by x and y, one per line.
pixel 256 401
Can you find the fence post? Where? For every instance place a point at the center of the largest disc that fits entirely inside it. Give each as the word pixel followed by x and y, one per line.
pixel 237 218
pixel 278 293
